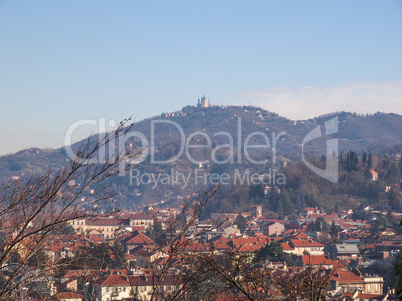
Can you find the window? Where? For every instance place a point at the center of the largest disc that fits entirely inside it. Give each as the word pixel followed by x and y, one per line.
pixel 376 287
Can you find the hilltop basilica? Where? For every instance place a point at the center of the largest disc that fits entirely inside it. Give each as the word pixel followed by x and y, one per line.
pixel 203 103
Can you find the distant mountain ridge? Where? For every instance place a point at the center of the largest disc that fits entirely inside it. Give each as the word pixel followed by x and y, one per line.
pixel 375 132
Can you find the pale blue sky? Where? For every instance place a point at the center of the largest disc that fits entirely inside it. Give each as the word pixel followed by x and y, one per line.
pixel 61 61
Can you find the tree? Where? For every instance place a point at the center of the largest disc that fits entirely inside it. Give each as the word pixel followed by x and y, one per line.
pixel 322 225
pixel 118 261
pixel 274 252
pixel 352 161
pixel 310 285
pixel 364 159
pixel 157 233
pixel 398 274
pixel 286 202
pixel 394 174
pixel 94 257
pixel 241 223
pixel 32 211
pixel 393 197
pixel 370 161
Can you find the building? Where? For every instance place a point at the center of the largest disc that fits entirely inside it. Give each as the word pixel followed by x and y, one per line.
pixel 310 211
pixel 139 240
pixel 221 217
pixel 342 251
pixel 348 280
pixel 137 287
pixel 204 103
pixel 304 247
pixel 106 226
pixel 318 262
pixel 141 219
pixel 257 211
pixel 273 228
pixel 374 175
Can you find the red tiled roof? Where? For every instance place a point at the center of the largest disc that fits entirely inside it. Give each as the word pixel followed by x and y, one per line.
pixel 301 243
pixel 316 260
pixel 70 295
pixel 140 239
pixel 286 247
pixel 300 235
pixel 219 245
pixel 115 280
pixel 95 238
pixel 346 276
pixel 249 248
pixel 198 247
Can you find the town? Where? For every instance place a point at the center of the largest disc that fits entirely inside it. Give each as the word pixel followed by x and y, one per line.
pixel 150 252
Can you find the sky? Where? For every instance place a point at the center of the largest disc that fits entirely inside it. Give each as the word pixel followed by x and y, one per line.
pixel 64 61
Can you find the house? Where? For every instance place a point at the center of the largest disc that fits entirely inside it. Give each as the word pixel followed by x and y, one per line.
pixel 146 255
pixel 373 284
pixel 78 224
pixel 303 246
pixel 287 248
pixel 388 245
pixel 141 219
pixel 342 251
pixel 374 175
pixel 309 211
pixel 221 246
pixel 208 235
pixel 318 261
pixel 273 228
pixel 138 287
pixel 139 240
pixel 231 230
pixel 348 279
pixel 105 227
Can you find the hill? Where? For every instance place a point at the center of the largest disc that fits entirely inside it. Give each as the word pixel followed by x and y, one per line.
pixel 219 137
